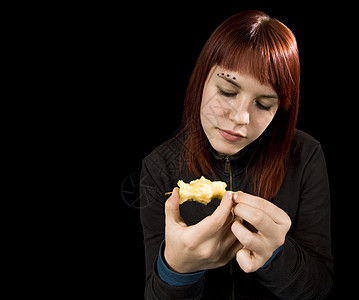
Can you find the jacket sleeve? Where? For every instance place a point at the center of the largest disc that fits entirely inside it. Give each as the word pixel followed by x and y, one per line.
pixel 153 185
pixel 304 268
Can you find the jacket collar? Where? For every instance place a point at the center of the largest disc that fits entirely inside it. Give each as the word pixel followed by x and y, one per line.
pixel 239 161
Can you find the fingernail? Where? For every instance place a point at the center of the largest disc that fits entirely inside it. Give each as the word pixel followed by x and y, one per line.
pixel 235 196
pixel 230 195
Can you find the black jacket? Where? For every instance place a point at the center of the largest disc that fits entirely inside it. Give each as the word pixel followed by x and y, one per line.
pixel 304 268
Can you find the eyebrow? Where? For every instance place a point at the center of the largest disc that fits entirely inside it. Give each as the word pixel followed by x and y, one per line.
pixel 271 96
pixel 231 81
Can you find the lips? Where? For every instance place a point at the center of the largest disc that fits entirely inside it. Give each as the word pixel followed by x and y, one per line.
pixel 231 135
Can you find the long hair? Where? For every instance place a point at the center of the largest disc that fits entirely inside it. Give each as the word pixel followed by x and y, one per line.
pixel 253 43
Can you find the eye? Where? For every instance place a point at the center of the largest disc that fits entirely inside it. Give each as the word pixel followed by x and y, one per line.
pixel 262 107
pixel 226 93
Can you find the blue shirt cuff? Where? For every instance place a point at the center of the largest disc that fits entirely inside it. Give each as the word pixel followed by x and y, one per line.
pixel 275 253
pixel 174 278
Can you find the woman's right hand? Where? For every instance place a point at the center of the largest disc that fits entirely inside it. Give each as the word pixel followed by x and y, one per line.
pixel 206 245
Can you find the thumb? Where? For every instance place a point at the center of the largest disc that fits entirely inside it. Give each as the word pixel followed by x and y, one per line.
pixel 224 209
pixel 172 208
pixel 219 217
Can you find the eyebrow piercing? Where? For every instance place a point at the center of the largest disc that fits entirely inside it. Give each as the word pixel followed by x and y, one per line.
pixel 234 78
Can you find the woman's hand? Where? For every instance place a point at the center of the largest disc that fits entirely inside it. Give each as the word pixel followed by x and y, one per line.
pixel 206 245
pixel 271 222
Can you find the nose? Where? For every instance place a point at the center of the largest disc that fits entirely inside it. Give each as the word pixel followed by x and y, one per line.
pixel 240 113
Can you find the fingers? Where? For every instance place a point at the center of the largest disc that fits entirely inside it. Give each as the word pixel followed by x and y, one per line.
pixel 256 217
pixel 249 257
pixel 248 260
pixel 233 246
pixel 271 222
pixel 248 239
pixel 265 216
pixel 276 213
pixel 172 209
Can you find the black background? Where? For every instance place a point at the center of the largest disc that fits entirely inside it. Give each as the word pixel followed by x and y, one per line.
pixel 158 49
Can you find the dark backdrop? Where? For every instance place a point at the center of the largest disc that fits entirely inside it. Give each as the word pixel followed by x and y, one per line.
pixel 159 47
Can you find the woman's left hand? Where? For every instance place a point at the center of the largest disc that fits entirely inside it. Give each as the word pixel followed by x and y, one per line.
pixel 272 225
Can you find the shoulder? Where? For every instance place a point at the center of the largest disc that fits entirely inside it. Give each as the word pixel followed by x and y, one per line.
pixel 306 168
pixel 306 143
pixel 160 168
pixel 305 139
pixel 305 149
pixel 165 155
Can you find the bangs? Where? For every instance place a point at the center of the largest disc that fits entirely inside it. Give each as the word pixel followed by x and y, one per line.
pixel 267 51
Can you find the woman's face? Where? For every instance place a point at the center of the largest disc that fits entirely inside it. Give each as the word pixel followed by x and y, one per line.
pixel 235 110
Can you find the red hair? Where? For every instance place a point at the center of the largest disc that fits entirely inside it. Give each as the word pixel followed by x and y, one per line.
pixel 253 43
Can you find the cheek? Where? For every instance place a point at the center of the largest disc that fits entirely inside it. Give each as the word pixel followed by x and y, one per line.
pixel 213 109
pixel 260 122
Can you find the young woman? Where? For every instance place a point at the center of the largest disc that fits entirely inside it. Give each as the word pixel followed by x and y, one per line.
pixel 269 237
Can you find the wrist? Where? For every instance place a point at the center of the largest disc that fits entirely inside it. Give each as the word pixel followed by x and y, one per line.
pixel 275 253
pixel 172 277
pixel 170 262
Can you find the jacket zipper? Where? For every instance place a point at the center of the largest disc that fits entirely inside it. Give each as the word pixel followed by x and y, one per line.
pixel 228 170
